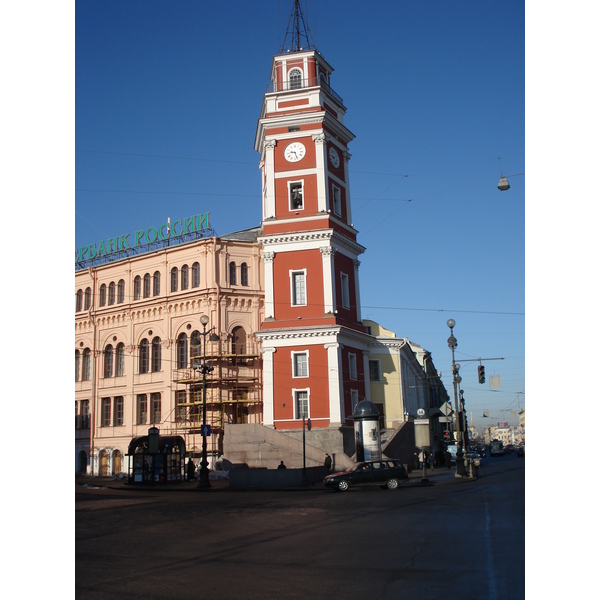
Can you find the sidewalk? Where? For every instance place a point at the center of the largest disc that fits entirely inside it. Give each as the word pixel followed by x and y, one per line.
pixel 439 476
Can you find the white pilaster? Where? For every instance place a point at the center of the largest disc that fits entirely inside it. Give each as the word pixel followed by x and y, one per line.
pixel 269 170
pixel 336 385
pixel 268 386
pixel 320 150
pixel 357 291
pixel 367 373
pixel 267 258
pixel 347 157
pixel 327 255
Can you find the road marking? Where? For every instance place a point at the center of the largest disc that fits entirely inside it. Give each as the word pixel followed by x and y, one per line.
pixel 490 558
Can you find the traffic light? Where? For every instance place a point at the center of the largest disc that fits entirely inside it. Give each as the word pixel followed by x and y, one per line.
pixel 481 373
pixel 446 436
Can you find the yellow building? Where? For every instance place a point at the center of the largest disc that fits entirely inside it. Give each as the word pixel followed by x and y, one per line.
pixel 403 379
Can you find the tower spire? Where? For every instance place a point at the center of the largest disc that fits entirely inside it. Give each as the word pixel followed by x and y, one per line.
pixel 298 32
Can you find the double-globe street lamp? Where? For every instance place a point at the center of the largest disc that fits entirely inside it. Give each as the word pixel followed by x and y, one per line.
pixel 204 482
pixel 456 379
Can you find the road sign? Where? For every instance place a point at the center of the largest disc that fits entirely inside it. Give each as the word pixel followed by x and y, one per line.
pixel 446 408
pixel 205 430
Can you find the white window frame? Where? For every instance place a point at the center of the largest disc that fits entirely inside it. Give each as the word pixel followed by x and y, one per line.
pixel 295 396
pixel 352 369
pixel 345 287
pixel 336 193
pixel 295 355
pixel 294 184
pixel 295 87
pixel 377 362
pixel 293 299
pixel 353 400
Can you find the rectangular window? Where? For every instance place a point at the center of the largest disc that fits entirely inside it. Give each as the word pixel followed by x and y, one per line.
pixel 155 398
pixel 184 277
pixel 85 414
pixel 118 411
pixel 352 365
pixel 196 274
pixel 142 409
pixel 301 403
pixel 298 281
pixel 300 364
pixel 337 201
pixel 296 195
pixel 105 412
pixel 374 370
pixel 353 399
pixel 181 399
pixel 120 360
pixel 345 290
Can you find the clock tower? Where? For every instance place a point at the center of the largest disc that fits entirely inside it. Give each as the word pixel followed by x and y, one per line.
pixel 315 349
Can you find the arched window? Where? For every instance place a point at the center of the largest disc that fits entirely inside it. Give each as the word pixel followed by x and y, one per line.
pixel 121 291
pixel 196 274
pixel 137 287
pixel 143 358
pixel 232 274
pixel 77 364
pixel 195 344
pixel 156 283
pixel 156 352
pixel 111 293
pixel 184 277
pixel 108 361
pixel 295 79
pixel 182 351
pixel 174 275
pixel 120 359
pixel 87 301
pixel 147 285
pixel 103 294
pixel 87 365
pixel 78 301
pixel 238 341
pixel 244 274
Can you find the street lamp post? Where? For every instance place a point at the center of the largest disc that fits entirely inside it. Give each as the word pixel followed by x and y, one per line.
pixel 452 343
pixel 204 482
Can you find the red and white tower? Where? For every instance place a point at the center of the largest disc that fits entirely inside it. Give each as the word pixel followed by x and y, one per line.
pixel 315 361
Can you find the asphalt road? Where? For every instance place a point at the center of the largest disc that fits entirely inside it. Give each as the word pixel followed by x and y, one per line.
pixel 459 539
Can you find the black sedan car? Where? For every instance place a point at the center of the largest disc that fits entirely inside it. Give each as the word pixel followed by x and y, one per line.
pixel 385 473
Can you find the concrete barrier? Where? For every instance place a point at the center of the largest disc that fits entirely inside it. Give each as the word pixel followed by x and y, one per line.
pixel 275 478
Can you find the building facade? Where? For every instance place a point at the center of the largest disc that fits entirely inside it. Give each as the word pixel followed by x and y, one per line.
pixel 315 348
pixel 138 336
pixel 280 305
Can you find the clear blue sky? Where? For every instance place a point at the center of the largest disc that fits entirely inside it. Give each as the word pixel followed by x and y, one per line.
pixel 168 95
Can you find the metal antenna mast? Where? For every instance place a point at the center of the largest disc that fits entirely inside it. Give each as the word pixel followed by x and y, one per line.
pixel 298 30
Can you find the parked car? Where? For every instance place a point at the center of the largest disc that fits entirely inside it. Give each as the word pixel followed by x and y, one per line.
pixel 521 451
pixel 385 473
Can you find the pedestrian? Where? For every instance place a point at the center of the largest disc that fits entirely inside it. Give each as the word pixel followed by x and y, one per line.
pixel 191 470
pixel 430 460
pixel 421 459
pixel 327 462
pixel 448 459
pixel 281 466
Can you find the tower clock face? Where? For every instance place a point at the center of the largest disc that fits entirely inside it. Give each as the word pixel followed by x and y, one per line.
pixel 294 152
pixel 334 157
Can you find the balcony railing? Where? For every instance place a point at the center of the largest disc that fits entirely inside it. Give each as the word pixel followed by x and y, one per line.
pixel 305 83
